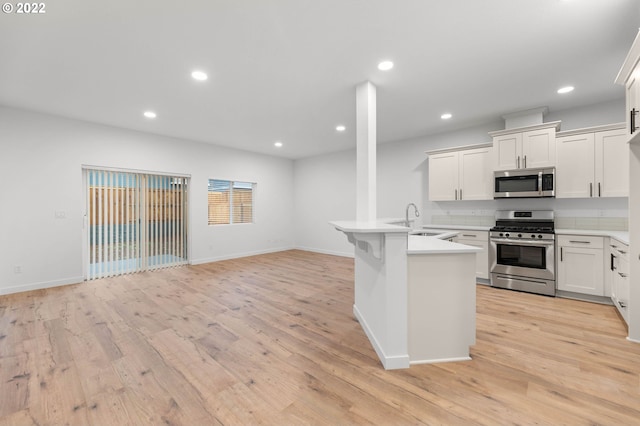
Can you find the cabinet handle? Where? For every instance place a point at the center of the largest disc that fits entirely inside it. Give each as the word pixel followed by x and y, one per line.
pixel 461 193
pixel 580 242
pixel 518 162
pixel 599 190
pixel 456 193
pixel 613 267
pixel 633 113
pixel 469 235
pixel 590 189
pixel 622 275
pixel 622 304
pixel 622 251
pixel 613 245
pixel 525 161
pixel 560 254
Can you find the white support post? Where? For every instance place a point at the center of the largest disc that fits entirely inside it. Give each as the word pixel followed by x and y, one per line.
pixel 366 152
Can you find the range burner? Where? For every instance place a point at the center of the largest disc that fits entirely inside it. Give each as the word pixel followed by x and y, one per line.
pixel 538 229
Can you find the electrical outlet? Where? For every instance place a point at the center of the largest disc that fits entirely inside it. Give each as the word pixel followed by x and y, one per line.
pixel 60 214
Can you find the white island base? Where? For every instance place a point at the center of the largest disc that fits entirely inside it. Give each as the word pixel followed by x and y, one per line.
pixel 414 295
pixel 442 307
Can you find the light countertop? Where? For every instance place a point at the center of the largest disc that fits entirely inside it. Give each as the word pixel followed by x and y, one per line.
pixel 419 244
pixel 377 226
pixel 458 227
pixel 622 236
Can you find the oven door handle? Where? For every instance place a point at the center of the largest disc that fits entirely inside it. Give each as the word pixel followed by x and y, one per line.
pixel 523 242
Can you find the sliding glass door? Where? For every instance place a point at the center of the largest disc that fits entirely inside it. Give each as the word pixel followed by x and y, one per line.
pixel 134 222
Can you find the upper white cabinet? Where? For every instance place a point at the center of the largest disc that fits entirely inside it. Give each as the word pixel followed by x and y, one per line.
pixel 460 174
pixel 525 147
pixel 629 77
pixel 592 162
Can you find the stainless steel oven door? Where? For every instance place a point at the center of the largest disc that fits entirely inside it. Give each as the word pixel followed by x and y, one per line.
pixel 524 258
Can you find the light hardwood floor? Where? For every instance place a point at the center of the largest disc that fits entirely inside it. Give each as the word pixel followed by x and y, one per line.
pixel 271 339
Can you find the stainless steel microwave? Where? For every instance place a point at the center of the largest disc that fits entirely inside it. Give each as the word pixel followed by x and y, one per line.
pixel 525 183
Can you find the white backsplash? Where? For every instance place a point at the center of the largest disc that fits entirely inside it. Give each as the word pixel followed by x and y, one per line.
pixel 590 214
pixel 590 223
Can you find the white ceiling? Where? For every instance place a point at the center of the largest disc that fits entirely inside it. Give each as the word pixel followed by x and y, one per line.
pixel 287 69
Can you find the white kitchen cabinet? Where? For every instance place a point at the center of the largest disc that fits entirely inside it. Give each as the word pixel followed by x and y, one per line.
pixel 618 272
pixel 592 162
pixel 580 264
pixel 525 147
pixel 628 77
pixel 460 174
pixel 478 239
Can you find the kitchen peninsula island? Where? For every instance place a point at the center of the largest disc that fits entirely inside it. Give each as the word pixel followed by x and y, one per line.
pixel 414 294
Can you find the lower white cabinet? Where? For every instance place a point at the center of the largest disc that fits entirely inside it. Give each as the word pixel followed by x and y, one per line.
pixel 478 239
pixel 580 264
pixel 619 276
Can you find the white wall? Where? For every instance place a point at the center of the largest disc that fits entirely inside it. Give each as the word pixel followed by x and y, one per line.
pixel 41 173
pixel 324 190
pixel 325 185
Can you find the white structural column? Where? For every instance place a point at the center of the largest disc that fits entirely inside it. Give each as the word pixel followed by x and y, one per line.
pixel 366 152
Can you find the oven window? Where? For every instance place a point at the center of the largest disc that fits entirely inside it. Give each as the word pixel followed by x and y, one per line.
pixel 525 256
pixel 517 184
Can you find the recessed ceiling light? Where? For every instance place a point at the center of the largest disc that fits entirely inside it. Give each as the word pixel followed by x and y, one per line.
pixel 199 75
pixel 150 114
pixel 278 144
pixel 566 89
pixel 446 116
pixel 341 128
pixel 385 65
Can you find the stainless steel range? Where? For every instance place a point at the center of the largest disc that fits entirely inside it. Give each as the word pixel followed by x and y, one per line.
pixel 522 251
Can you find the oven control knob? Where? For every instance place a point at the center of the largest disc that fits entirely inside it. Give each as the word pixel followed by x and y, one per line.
pixel 519 235
pixel 533 236
pixel 506 235
pixel 501 234
pixel 539 236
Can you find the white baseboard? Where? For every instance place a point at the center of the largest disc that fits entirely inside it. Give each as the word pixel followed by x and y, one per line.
pixel 632 340
pixel 435 361
pixel 40 285
pixel 322 251
pixel 388 362
pixel 238 255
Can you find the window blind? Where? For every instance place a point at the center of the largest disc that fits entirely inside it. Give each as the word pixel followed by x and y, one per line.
pixel 230 202
pixel 136 222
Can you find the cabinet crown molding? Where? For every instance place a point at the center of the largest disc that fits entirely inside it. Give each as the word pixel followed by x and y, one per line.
pixel 593 129
pixel 630 62
pixel 550 124
pixel 458 148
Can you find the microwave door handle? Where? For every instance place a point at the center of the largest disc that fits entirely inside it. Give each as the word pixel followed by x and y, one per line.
pixel 539 181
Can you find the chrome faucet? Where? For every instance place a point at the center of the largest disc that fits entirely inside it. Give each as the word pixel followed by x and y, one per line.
pixel 406 220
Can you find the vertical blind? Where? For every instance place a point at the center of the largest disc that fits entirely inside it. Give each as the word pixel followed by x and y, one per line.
pixel 136 222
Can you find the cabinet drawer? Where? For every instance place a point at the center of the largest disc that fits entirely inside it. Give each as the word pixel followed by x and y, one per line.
pixel 585 241
pixel 479 236
pixel 619 249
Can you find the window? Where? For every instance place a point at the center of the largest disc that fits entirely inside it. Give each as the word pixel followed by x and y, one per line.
pixel 136 222
pixel 230 202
